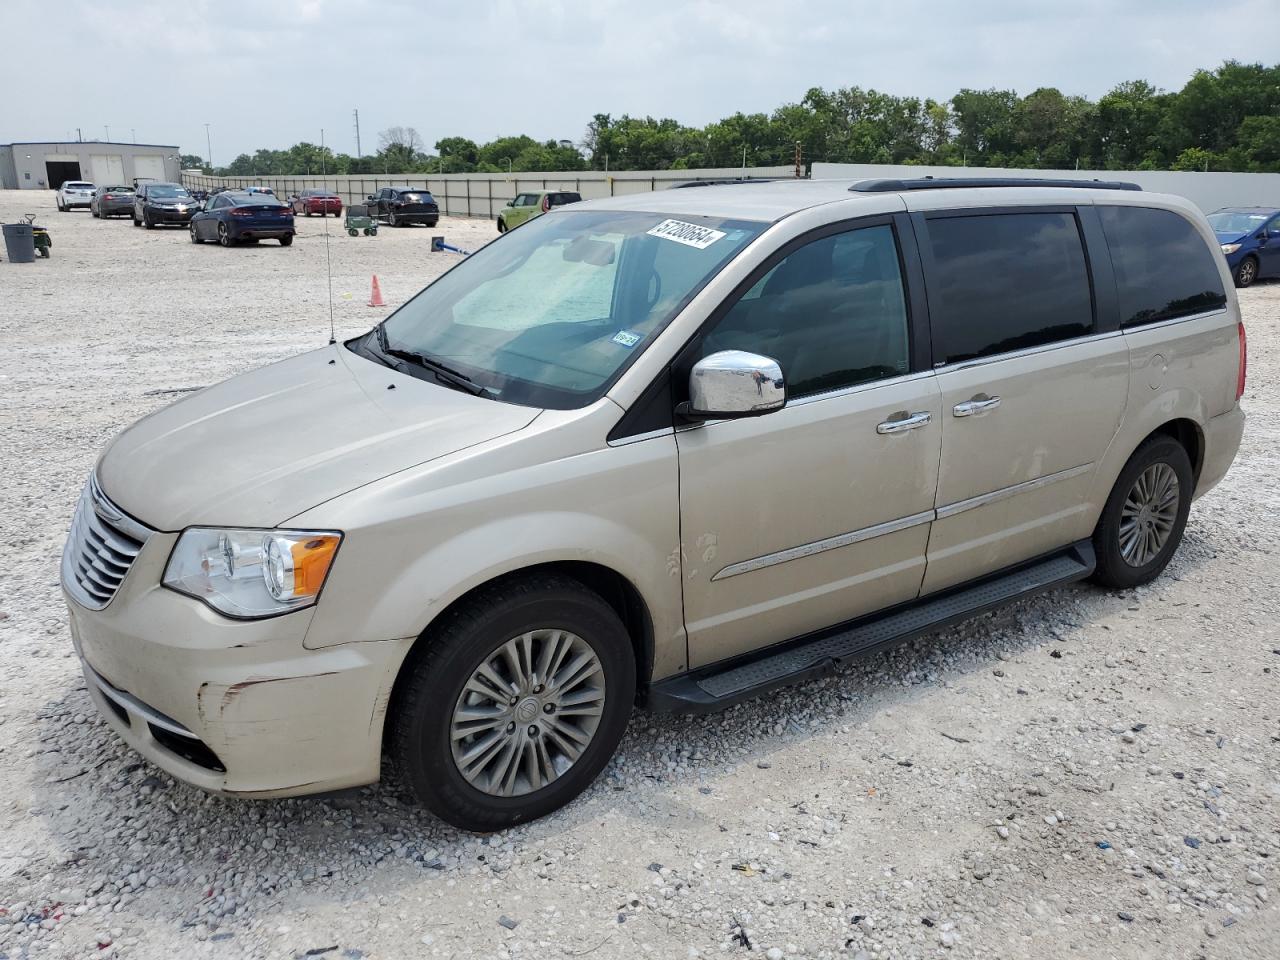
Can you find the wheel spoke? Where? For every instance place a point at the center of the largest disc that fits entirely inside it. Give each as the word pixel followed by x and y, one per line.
pixel 527 712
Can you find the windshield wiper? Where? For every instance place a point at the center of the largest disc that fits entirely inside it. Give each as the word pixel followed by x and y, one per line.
pixel 442 371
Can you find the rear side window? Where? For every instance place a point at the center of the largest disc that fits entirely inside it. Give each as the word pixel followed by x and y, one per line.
pixel 560 199
pixel 1164 269
pixel 1004 282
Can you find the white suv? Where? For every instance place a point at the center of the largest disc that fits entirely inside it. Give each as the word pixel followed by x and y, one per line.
pixel 672 449
pixel 74 193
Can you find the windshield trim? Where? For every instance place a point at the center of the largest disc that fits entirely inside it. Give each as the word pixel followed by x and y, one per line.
pixel 554 398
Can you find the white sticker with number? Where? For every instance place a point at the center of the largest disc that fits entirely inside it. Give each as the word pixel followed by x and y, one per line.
pixel 689 234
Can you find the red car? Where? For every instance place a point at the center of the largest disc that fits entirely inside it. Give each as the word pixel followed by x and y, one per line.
pixel 311 202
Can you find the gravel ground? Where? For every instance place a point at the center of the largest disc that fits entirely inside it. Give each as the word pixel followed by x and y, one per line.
pixel 1085 774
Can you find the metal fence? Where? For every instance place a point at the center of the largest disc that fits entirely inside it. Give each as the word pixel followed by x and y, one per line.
pixel 1209 191
pixel 485 194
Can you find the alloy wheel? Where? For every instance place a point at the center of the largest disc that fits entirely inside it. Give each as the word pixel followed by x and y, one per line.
pixel 1247 271
pixel 528 712
pixel 1149 514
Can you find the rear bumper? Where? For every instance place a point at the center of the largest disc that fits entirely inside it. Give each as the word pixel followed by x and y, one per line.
pixel 113 209
pixel 417 216
pixel 1222 435
pixel 260 233
pixel 69 203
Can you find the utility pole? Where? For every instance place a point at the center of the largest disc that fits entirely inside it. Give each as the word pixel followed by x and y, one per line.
pixel 79 138
pixel 356 114
pixel 799 169
pixel 322 170
pixel 107 130
pixel 208 145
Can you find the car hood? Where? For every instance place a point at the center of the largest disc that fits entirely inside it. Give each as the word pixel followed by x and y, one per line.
pixel 262 447
pixel 1229 237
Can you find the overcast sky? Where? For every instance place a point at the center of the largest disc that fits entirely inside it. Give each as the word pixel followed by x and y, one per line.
pixel 273 72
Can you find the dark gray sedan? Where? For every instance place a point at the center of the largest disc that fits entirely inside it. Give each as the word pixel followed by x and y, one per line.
pixel 111 202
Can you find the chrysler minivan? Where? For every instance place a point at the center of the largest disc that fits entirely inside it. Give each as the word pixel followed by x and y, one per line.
pixel 668 451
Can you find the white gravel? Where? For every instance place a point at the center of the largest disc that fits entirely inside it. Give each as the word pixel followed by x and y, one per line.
pixel 1088 774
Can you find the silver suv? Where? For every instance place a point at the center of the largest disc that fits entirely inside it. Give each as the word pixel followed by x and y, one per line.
pixel 669 450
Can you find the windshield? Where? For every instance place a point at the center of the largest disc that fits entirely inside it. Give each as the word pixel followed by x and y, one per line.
pixel 1236 222
pixel 552 312
pixel 166 191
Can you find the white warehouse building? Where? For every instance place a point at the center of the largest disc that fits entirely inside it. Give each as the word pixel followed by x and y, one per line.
pixel 46 166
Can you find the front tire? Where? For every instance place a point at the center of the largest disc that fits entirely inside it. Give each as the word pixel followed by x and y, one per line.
pixel 514 704
pixel 392 220
pixel 1145 515
pixel 1246 272
pixel 502 225
pixel 195 237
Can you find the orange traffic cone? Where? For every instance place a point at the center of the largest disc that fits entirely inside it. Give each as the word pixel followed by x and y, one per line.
pixel 375 295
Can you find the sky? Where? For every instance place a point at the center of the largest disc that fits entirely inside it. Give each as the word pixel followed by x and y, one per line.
pixel 270 73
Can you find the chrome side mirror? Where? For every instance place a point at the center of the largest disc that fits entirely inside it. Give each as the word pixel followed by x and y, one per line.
pixel 734 383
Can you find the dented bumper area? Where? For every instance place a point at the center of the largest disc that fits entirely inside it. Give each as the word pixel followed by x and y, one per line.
pixel 234 707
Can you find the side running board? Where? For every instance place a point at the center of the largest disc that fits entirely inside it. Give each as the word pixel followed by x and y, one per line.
pixel 719 685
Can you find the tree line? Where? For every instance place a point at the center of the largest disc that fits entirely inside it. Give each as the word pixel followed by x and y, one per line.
pixel 1222 119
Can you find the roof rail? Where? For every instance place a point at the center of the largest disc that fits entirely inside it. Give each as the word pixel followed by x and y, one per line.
pixel 734 181
pixel 949 183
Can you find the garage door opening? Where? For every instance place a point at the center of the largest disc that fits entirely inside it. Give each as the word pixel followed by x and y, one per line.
pixel 60 171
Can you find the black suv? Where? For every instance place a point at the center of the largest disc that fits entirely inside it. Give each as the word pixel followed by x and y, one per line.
pixel 156 203
pixel 401 206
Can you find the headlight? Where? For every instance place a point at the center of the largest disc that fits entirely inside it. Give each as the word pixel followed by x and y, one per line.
pixel 252 573
pixel 1230 248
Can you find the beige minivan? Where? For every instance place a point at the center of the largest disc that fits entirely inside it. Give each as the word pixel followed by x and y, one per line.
pixel 669 450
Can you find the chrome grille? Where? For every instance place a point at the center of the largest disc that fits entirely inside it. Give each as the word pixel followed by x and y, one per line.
pixel 100 549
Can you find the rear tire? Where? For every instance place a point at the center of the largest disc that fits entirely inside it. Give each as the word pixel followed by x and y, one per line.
pixel 1246 272
pixel 224 236
pixel 553 741
pixel 1145 515
pixel 286 240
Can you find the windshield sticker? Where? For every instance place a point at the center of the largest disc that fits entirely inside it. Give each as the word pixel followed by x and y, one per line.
pixel 689 234
pixel 626 337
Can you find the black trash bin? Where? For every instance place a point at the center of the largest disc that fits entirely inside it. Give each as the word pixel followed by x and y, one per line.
pixel 19 242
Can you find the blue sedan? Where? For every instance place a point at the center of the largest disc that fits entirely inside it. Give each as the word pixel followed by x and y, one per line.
pixel 1250 238
pixel 233 217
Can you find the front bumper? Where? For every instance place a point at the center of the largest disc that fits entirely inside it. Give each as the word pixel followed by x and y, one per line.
pixel 170 215
pixel 233 707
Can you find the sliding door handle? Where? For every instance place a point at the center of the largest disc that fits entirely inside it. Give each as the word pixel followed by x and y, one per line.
pixel 902 421
pixel 979 404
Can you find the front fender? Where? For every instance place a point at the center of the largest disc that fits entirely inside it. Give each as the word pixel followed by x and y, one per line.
pixel 416 543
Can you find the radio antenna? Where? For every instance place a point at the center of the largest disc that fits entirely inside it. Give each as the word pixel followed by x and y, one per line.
pixel 328 263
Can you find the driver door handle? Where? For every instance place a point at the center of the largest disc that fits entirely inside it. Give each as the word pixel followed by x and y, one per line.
pixel 979 404
pixel 903 421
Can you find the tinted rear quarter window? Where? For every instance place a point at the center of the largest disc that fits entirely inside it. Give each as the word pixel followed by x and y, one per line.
pixel 1003 282
pixel 1164 269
